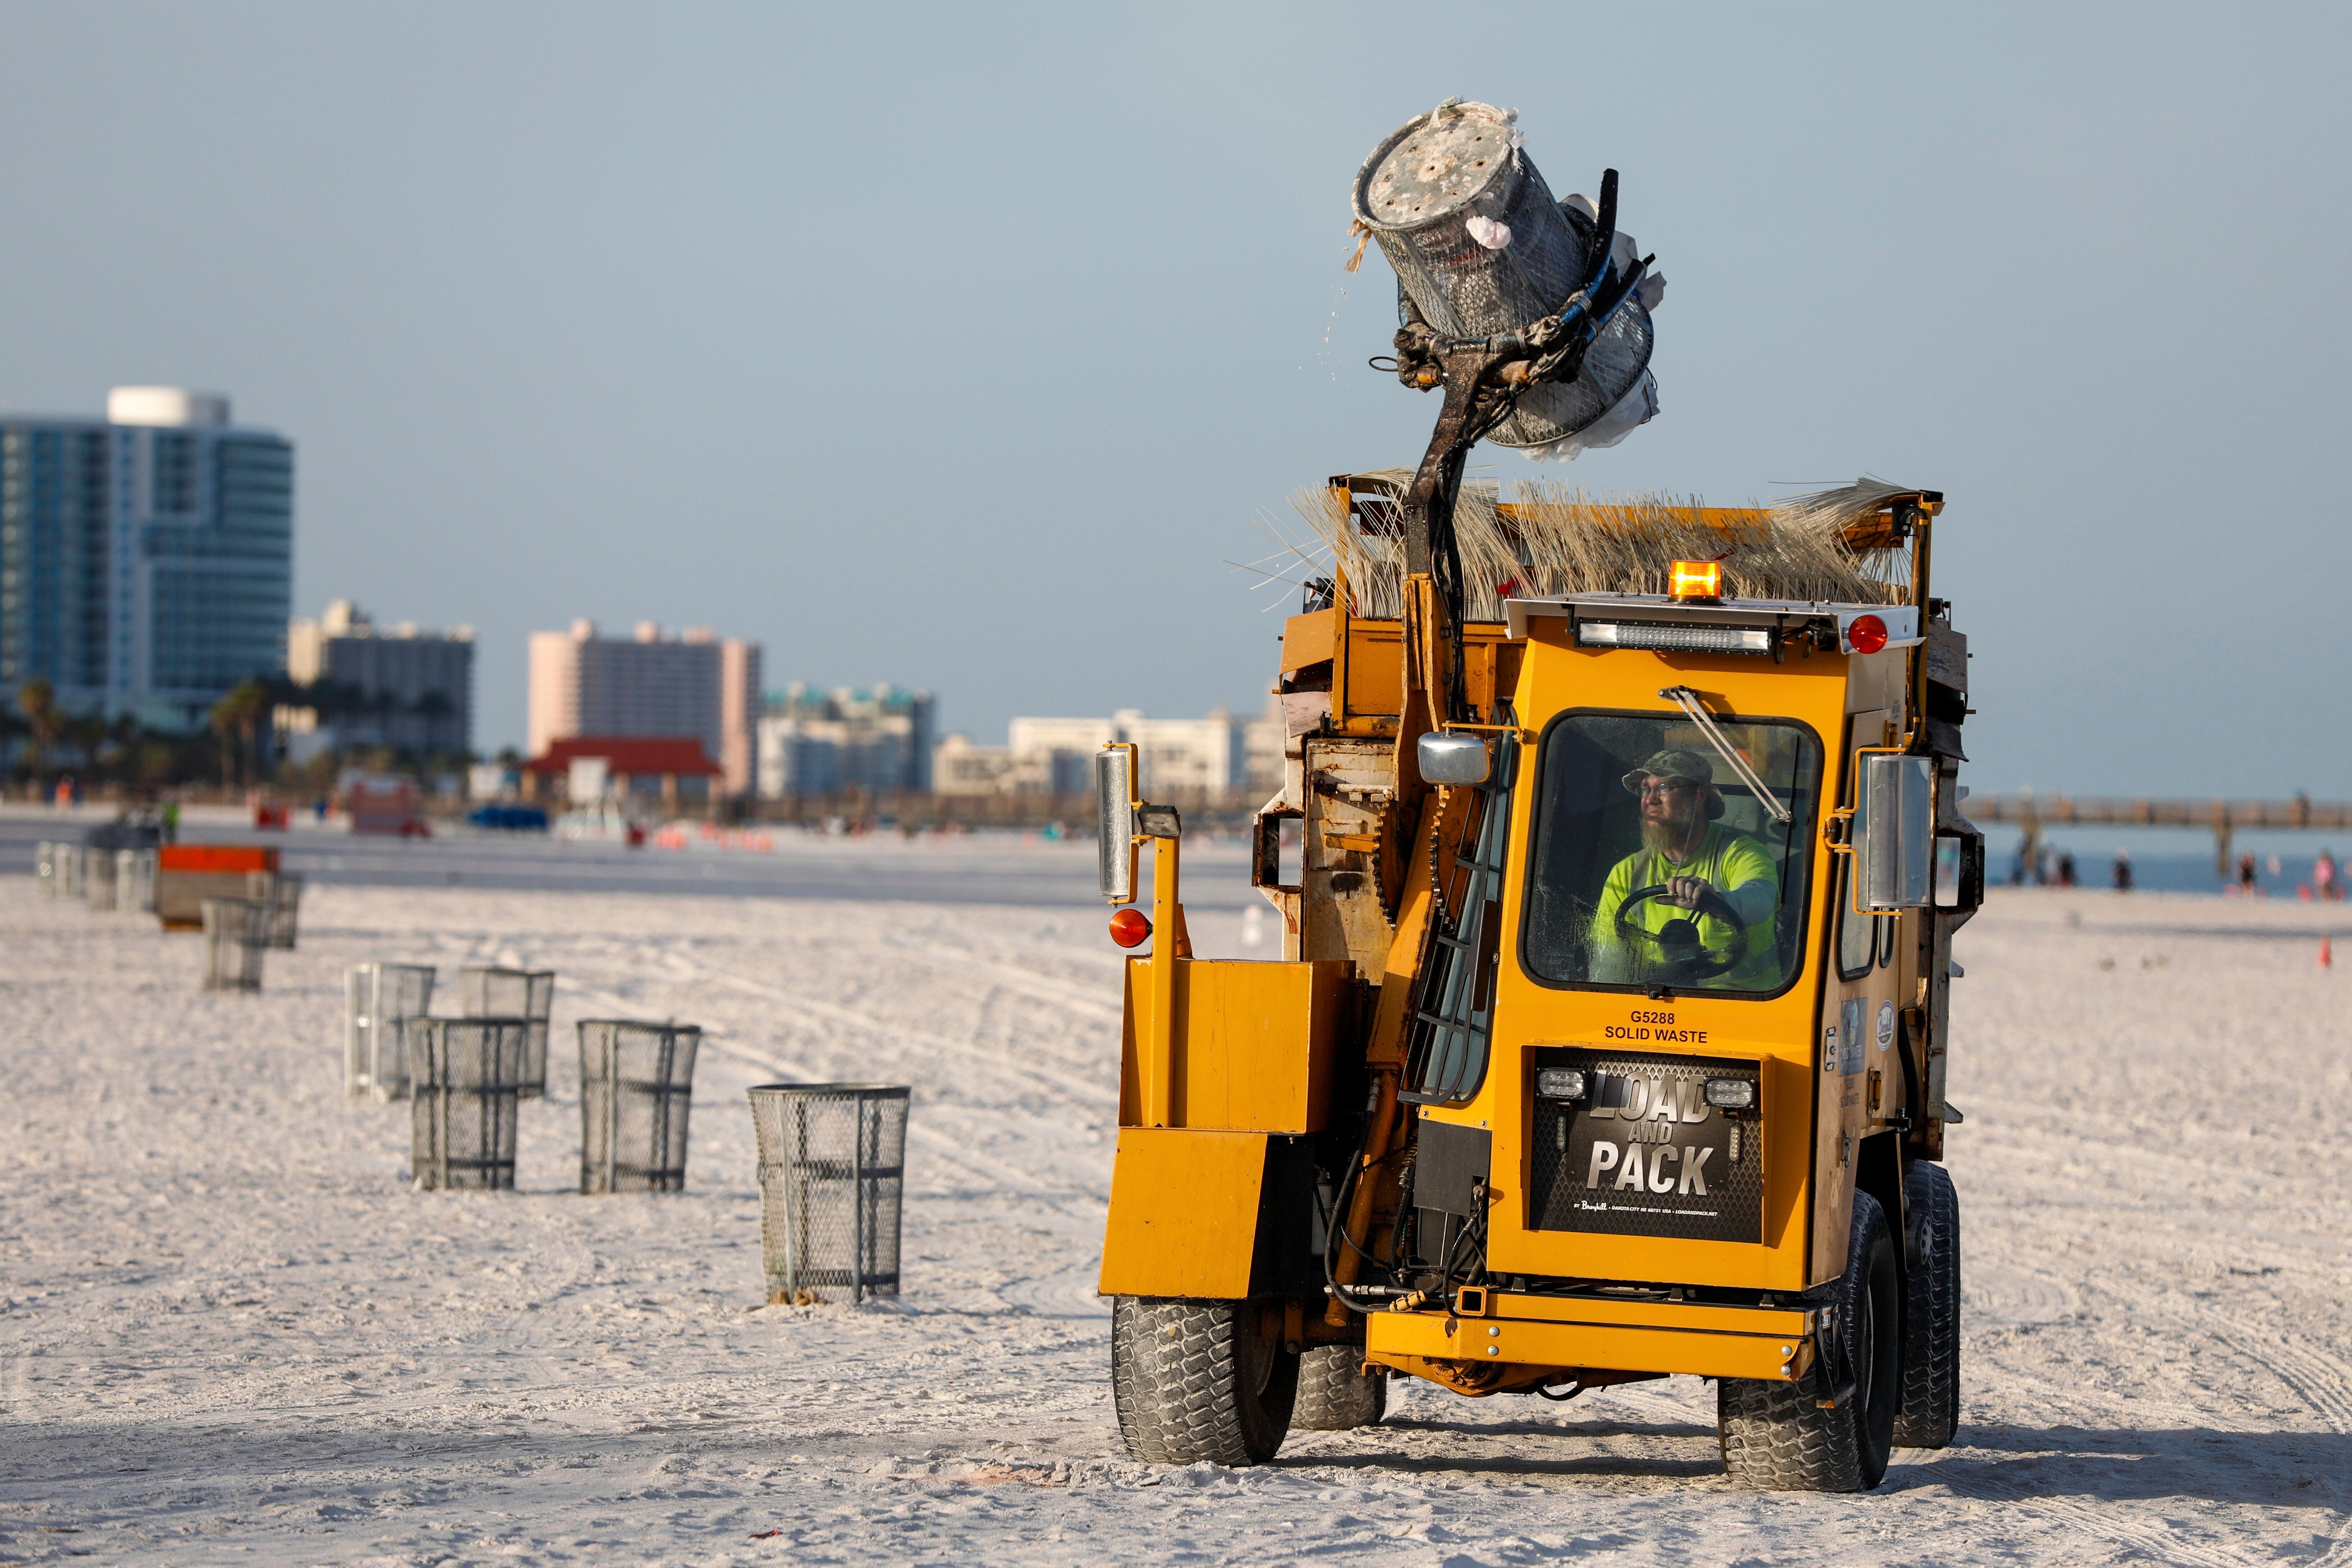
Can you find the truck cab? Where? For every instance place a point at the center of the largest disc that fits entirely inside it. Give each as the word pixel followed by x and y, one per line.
pixel 1608 1037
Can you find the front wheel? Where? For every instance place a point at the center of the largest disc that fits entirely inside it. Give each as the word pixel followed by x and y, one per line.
pixel 1335 1394
pixel 1775 1437
pixel 1197 1380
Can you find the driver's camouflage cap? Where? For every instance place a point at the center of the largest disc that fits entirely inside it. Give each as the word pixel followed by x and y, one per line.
pixel 1672 765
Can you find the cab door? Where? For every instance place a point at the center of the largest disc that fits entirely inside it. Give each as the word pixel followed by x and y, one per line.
pixel 1861 1013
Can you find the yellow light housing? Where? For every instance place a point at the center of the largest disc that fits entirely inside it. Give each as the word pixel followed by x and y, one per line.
pixel 1695 580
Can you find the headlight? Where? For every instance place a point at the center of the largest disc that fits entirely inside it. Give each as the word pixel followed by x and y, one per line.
pixel 1730 1093
pixel 1560 1083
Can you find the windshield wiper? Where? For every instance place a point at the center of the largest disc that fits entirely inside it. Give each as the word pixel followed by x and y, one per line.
pixel 1687 700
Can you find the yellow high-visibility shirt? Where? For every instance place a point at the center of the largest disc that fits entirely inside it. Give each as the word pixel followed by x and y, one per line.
pixel 1728 861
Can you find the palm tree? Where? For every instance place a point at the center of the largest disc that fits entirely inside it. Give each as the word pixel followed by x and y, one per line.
pixel 240 714
pixel 37 700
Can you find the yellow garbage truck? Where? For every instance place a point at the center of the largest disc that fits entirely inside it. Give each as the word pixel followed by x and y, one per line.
pixel 1617 887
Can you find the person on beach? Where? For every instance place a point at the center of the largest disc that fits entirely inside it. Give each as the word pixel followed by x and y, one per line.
pixel 1687 851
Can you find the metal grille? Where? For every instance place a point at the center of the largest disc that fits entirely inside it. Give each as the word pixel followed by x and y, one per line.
pixel 831 1170
pixel 381 997
pixel 467 1076
pixel 526 994
pixel 636 1083
pixel 1713 1181
pixel 236 931
pixel 1418 193
pixel 283 895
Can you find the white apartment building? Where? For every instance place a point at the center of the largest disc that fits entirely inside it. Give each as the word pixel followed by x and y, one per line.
pixel 652 684
pixel 1218 755
pixel 875 738
pixel 401 686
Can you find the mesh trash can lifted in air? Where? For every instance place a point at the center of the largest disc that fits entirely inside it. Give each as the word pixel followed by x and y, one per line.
pixel 635 1081
pixel 235 930
pixel 283 895
pixel 381 997
pixel 832 1167
pixel 1481 247
pixel 465 1075
pixel 526 994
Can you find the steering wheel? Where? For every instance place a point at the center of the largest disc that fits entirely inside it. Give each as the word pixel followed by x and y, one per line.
pixel 1684 957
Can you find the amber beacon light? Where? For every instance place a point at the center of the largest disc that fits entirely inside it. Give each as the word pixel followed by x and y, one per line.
pixel 1695 580
pixel 1129 927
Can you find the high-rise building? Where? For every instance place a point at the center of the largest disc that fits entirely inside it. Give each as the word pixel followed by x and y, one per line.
pixel 689 686
pixel 400 687
pixel 1216 756
pixel 876 737
pixel 146 559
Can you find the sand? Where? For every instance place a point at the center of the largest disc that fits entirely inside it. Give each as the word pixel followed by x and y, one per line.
pixel 232 1333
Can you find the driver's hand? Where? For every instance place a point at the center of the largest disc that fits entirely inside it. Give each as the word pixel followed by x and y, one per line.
pixel 1683 892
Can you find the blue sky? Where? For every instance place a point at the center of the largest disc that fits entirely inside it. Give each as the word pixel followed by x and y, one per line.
pixel 959 346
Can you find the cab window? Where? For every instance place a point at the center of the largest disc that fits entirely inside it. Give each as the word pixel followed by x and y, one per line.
pixel 1854 931
pixel 1656 866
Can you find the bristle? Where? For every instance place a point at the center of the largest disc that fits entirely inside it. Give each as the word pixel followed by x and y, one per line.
pixel 1560 541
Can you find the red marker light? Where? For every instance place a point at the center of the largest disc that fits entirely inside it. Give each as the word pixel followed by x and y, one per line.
pixel 1129 927
pixel 1866 634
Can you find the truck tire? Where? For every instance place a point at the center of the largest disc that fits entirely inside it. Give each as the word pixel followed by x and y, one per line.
pixel 1334 1396
pixel 1930 1411
pixel 1194 1380
pixel 1776 1438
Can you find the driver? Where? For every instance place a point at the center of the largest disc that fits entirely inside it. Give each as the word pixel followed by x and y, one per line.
pixel 1685 851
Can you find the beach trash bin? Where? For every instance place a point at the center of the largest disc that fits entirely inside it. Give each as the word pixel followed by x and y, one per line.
pixel 283 893
pixel 636 1082
pixel 98 880
pixel 464 1077
pixel 526 994
pixel 65 878
pixel 831 1170
pixel 135 881
pixel 379 999
pixel 236 931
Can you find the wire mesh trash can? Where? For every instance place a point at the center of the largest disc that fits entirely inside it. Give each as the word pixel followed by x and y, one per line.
pixel 283 895
pixel 135 881
pixel 635 1083
pixel 236 931
pixel 98 880
pixel 526 994
pixel 44 869
pixel 465 1077
pixel 832 1169
pixel 381 998
pixel 59 866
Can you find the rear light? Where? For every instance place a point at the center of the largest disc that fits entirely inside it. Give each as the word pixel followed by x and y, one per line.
pixel 1673 640
pixel 1695 580
pixel 1129 927
pixel 1866 633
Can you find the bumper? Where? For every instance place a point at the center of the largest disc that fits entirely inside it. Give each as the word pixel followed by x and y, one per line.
pixel 1523 1340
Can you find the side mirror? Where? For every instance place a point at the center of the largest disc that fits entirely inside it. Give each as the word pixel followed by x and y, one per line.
pixel 1450 759
pixel 1894 834
pixel 1115 820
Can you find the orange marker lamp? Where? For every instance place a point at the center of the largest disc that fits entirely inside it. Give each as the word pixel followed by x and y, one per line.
pixel 1695 580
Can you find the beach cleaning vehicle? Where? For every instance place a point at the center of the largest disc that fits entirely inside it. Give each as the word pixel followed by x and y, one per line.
pixel 1608 1040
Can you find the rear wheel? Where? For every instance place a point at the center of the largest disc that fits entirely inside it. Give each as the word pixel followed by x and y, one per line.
pixel 1776 1438
pixel 1930 1409
pixel 1334 1393
pixel 1196 1380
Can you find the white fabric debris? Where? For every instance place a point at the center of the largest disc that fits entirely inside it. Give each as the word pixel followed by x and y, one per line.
pixel 1494 235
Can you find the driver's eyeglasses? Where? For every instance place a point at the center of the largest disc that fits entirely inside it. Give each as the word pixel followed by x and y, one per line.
pixel 1672 786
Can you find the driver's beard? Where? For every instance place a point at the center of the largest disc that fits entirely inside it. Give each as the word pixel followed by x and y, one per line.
pixel 1675 840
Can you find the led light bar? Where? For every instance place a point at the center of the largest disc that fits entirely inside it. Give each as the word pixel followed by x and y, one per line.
pixel 1674 639
pixel 1730 1093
